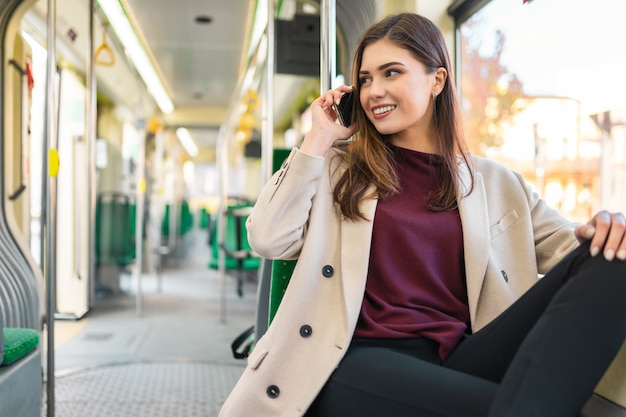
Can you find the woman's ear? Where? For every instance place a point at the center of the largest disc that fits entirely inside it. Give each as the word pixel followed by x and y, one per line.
pixel 440 79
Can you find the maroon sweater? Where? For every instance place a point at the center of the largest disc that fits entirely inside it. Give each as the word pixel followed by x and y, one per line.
pixel 416 277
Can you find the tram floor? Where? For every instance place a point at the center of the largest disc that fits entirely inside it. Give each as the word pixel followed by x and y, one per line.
pixel 172 360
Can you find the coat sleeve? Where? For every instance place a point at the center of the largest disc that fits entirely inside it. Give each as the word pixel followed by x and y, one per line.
pixel 277 225
pixel 553 233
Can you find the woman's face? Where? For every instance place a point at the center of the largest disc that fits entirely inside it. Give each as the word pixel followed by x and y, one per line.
pixel 396 91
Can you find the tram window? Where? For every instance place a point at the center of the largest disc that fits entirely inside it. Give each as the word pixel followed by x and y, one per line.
pixel 546 97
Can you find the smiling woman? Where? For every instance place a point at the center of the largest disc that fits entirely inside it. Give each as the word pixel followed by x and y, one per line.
pixel 419 302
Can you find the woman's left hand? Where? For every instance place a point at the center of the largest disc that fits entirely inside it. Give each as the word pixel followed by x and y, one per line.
pixel 607 232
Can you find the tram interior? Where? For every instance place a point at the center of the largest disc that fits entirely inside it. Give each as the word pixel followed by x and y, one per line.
pixel 131 161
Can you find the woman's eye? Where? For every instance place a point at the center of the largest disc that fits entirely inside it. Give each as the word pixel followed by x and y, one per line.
pixel 392 72
pixel 364 80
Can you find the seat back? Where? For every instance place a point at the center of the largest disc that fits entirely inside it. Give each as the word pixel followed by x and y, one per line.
pixel 185 219
pixel 235 239
pixel 281 274
pixel 281 269
pixel 114 229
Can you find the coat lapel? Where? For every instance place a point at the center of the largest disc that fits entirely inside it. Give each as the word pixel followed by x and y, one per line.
pixel 356 238
pixel 476 234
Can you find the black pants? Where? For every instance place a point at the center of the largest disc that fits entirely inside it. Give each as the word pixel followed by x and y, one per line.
pixel 541 357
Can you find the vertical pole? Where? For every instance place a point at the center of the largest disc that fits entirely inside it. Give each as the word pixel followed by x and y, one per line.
pixel 50 195
pixel 157 197
pixel 222 149
pixel 328 45
pixel 222 160
pixel 90 120
pixel 267 139
pixel 141 191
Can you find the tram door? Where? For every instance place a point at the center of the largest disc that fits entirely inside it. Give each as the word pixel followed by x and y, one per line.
pixel 72 201
pixel 16 172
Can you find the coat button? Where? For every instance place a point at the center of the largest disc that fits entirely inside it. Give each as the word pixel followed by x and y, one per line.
pixel 306 331
pixel 328 271
pixel 273 391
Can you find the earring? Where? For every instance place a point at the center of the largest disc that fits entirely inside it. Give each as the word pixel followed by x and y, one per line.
pixel 434 95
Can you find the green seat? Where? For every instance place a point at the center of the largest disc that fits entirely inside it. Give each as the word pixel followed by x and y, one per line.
pixel 204 218
pixel 235 240
pixel 281 269
pixel 238 253
pixel 114 230
pixel 185 220
pixel 17 344
pixel 281 274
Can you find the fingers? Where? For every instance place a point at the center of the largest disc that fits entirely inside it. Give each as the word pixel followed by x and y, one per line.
pixel 325 130
pixel 333 96
pixel 608 231
pixel 616 243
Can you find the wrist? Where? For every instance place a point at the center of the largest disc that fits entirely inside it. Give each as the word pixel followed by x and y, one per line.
pixel 314 146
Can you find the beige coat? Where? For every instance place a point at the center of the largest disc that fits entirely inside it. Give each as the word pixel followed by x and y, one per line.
pixel 507 232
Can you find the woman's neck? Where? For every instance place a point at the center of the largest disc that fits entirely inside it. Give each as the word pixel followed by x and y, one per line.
pixel 419 138
pixel 421 143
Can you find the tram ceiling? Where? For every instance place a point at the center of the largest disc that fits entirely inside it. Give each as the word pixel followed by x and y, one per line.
pixel 198 47
pixel 197 44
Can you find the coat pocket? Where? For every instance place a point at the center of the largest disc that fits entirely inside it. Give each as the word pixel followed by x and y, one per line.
pixel 256 357
pixel 504 223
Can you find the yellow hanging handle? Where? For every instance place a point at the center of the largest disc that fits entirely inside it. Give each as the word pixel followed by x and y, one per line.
pixel 104 54
pixel 53 163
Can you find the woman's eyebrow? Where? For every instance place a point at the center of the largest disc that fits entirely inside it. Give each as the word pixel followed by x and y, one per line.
pixel 383 66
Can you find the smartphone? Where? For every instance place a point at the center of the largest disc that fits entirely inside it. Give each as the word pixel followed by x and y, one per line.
pixel 344 108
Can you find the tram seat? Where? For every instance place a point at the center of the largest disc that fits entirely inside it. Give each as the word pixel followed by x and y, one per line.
pixel 114 239
pixel 239 255
pixel 115 230
pixel 185 221
pixel 20 371
pixel 205 218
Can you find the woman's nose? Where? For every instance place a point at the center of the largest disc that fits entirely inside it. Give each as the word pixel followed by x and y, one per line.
pixel 376 89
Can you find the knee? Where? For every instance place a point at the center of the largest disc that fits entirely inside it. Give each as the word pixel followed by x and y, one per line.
pixel 598 266
pixel 596 280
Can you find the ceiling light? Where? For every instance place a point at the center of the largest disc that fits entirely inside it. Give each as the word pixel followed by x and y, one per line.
pixel 126 34
pixel 187 141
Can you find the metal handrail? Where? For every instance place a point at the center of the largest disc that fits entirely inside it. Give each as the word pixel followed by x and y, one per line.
pixel 50 146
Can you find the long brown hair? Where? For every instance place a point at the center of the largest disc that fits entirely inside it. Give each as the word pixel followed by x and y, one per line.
pixel 368 157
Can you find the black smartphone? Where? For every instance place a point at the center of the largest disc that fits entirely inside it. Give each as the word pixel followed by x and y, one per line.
pixel 344 108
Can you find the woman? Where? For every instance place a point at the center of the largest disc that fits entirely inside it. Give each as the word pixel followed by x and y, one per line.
pixel 416 291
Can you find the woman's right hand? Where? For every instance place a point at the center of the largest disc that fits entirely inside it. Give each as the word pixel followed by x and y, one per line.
pixel 324 128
